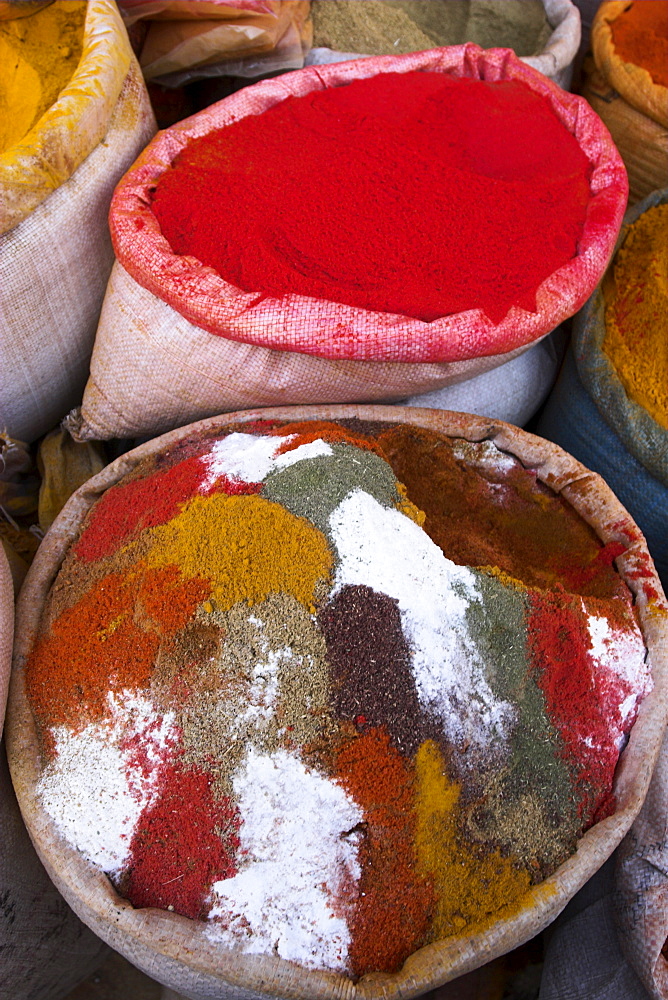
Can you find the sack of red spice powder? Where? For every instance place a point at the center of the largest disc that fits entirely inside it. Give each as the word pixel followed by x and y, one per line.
pixel 177 341
pixel 270 447
pixel 45 950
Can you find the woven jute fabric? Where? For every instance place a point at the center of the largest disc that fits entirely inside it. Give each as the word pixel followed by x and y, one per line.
pixel 55 249
pixel 6 631
pixel 641 898
pixel 175 950
pixel 45 950
pixel 160 306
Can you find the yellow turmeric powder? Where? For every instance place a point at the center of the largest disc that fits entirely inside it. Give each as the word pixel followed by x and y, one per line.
pixel 473 890
pixel 636 314
pixel 38 55
pixel 247 546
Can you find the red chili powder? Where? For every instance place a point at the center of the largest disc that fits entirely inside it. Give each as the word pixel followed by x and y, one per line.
pixel 412 193
pixel 130 507
pixel 98 645
pixel 93 648
pixel 394 907
pixel 168 600
pixel 581 700
pixel 184 842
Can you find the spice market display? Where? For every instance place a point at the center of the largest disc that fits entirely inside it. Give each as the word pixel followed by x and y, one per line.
pixel 323 701
pixel 337 689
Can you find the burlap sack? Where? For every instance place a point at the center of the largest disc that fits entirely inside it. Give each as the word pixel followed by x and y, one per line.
pixel 44 949
pixel 176 951
pixel 633 107
pixel 642 886
pixel 55 251
pixel 6 631
pixel 156 364
pixel 513 392
pixel 555 61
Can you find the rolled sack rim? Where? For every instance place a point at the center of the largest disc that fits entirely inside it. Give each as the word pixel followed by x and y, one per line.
pixel 562 46
pixel 71 128
pixel 633 83
pixel 6 631
pixel 640 433
pixel 183 943
pixel 555 60
pixel 205 299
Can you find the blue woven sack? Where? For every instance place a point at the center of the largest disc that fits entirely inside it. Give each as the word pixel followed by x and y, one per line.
pixel 590 415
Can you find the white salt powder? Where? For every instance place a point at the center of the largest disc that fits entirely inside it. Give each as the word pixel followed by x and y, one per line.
pixel 621 653
pixel 297 836
pixel 251 459
pixel 263 692
pixel 383 549
pixel 94 790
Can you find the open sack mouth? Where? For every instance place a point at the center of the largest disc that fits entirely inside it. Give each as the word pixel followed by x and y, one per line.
pixel 326 670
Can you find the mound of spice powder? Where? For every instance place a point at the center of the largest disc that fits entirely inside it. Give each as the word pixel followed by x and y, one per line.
pixel 413 193
pixel 271 699
pixel 636 313
pixel 640 36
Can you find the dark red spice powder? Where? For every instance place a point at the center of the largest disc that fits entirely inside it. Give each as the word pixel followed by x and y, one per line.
pixel 184 841
pixel 417 193
pixel 526 530
pixel 370 667
pixel 130 507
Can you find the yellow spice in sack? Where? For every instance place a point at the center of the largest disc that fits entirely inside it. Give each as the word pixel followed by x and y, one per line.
pixel 636 314
pixel 38 55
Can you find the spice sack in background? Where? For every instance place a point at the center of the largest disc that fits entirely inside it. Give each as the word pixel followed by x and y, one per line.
pixel 544 35
pixel 350 275
pixel 45 950
pixel 74 114
pixel 188 40
pixel 628 86
pixel 609 407
pixel 296 684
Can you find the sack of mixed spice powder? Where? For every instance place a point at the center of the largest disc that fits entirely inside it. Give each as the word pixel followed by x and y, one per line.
pixel 334 701
pixel 609 407
pixel 45 950
pixel 287 244
pixel 76 116
pixel 628 87
pixel 544 33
